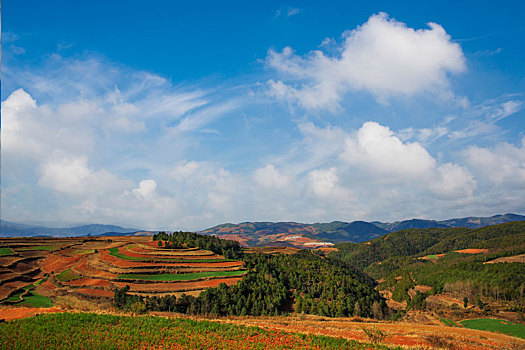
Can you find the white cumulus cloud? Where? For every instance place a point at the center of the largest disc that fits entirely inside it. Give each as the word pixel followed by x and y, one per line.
pixel 383 56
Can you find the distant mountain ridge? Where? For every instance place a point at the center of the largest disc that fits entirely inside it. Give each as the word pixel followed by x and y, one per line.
pixel 284 233
pixel 9 229
pixel 271 233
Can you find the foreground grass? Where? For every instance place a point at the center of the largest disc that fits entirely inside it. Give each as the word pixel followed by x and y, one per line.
pixel 6 251
pixel 180 276
pixel 500 326
pixel 92 331
pixel 115 252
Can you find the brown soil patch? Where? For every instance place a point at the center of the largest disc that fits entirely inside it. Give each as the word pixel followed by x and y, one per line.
pixel 8 260
pixel 9 287
pixel 422 288
pixel 22 312
pixel 25 267
pixel 94 282
pixel 170 254
pixel 177 286
pixel 82 267
pixel 327 250
pixel 276 250
pixel 58 263
pixel 194 293
pixel 179 253
pixel 122 263
pixel 472 251
pixel 95 292
pixel 508 259
pixel 48 284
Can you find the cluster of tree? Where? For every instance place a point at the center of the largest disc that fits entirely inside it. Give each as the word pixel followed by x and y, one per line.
pixel 317 285
pixel 228 248
pixel 421 242
pixel 398 253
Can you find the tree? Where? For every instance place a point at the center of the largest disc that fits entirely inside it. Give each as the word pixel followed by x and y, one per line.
pixel 159 244
pixel 138 307
pixel 465 302
pixel 480 302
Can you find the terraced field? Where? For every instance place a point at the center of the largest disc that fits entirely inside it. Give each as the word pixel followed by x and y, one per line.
pixel 36 272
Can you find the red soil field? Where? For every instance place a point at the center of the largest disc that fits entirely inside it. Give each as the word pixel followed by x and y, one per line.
pixel 83 268
pixel 131 253
pixel 118 262
pixel 95 292
pixel 57 263
pixel 22 312
pixel 86 281
pixel 177 286
pixel 472 251
pixel 48 284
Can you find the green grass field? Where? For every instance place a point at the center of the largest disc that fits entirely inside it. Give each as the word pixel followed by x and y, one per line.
pixel 37 300
pixel 115 252
pixel 181 276
pixel 67 275
pixel 84 251
pixel 92 331
pixel 32 299
pixel 6 251
pixel 37 247
pixel 500 326
pixel 448 322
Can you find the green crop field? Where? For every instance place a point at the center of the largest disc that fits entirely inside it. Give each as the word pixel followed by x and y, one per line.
pixel 38 247
pixel 92 331
pixel 30 299
pixel 500 326
pixel 67 275
pixel 181 276
pixel 37 300
pixel 84 251
pixel 448 322
pixel 6 251
pixel 115 252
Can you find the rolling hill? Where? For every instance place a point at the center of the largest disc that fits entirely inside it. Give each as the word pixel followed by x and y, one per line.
pixel 308 235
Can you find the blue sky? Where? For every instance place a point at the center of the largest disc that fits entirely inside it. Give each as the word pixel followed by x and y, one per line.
pixel 183 115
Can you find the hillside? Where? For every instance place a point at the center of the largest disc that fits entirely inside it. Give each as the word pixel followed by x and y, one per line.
pixel 448 264
pixel 293 234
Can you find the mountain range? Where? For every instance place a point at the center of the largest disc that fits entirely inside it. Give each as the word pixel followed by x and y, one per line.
pixel 10 229
pixel 271 233
pixel 287 233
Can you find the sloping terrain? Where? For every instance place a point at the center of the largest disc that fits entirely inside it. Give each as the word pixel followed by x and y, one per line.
pixel 94 268
pixel 306 236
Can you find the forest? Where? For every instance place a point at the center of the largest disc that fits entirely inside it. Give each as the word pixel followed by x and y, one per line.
pixel 402 254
